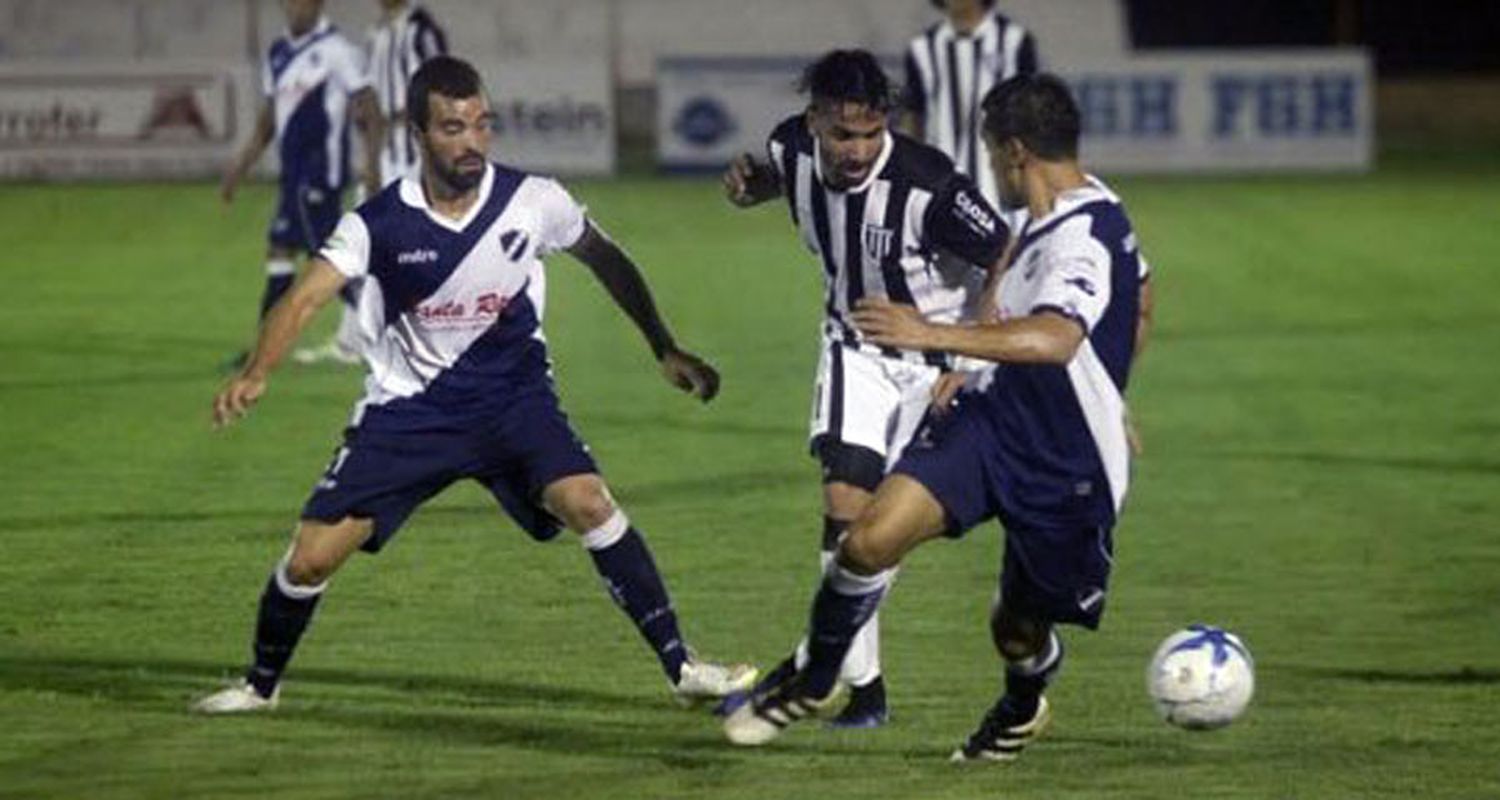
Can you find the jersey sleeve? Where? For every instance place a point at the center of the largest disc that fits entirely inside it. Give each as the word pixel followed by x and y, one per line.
pixel 1075 279
pixel 563 220
pixel 961 222
pixel 1027 60
pixel 430 40
pixel 348 248
pixel 349 66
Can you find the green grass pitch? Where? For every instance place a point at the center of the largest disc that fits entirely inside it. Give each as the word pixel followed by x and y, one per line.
pixel 1321 476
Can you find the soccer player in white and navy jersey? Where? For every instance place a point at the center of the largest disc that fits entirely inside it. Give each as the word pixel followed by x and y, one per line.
pixel 887 217
pixel 950 67
pixel 405 38
pixel 459 384
pixel 1039 443
pixel 313 80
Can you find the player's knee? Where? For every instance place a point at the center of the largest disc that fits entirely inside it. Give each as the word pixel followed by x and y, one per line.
pixel 1017 638
pixel 587 510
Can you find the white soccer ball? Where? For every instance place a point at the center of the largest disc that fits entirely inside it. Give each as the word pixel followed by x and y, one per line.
pixel 1201 678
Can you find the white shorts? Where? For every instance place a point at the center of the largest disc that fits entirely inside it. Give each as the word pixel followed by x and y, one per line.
pixel 869 400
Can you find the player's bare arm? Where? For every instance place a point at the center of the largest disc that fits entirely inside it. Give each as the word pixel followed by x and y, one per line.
pixel 748 182
pixel 319 284
pixel 260 139
pixel 371 124
pixel 1041 338
pixel 624 282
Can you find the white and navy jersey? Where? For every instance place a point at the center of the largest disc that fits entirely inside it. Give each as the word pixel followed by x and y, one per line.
pixel 1062 427
pixel 915 232
pixel 398 47
pixel 451 309
pixel 947 77
pixel 308 80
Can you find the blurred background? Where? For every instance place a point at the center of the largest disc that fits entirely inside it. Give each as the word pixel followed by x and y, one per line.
pixel 166 88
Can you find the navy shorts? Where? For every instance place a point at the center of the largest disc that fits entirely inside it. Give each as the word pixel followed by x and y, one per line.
pixel 1055 570
pixel 306 214
pixel 383 473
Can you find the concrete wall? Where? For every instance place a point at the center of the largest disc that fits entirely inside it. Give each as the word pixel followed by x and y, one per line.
pixel 634 32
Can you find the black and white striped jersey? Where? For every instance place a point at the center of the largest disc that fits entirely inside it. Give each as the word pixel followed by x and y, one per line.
pixel 398 47
pixel 915 231
pixel 947 77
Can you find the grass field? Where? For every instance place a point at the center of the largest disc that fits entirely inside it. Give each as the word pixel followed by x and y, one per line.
pixel 1320 475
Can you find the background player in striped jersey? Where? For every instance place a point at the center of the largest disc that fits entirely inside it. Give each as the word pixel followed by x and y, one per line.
pixel 950 67
pixel 313 78
pixel 889 218
pixel 406 37
pixel 460 385
pixel 1040 444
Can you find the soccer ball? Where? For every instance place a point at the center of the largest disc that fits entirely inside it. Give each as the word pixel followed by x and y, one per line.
pixel 1201 678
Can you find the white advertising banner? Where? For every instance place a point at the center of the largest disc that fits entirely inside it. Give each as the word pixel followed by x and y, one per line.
pixel 1197 111
pixel 134 120
pixel 553 116
pixel 172 120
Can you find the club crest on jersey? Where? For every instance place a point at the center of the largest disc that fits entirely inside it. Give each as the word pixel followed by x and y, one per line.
pixel 514 243
pixel 876 241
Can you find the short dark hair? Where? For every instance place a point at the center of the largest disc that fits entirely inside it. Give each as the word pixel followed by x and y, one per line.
pixel 450 77
pixel 848 76
pixel 1039 110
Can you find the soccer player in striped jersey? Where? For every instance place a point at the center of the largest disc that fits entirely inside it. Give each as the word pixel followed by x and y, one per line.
pixel 950 67
pixel 405 38
pixel 460 385
pixel 887 217
pixel 1039 443
pixel 313 78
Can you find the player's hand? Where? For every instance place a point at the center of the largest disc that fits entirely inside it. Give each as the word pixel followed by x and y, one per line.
pixel 233 401
pixel 738 179
pixel 945 389
pixel 690 374
pixel 891 324
pixel 1133 435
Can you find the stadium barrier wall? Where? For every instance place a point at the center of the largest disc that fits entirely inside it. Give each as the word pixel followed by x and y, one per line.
pixel 1166 112
pixel 134 120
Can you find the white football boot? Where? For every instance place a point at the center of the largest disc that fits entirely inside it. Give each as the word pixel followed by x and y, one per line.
pixel 240 698
pixel 702 681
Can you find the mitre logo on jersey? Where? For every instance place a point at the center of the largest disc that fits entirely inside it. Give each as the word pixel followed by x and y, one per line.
pixel 422 256
pixel 974 212
pixel 877 241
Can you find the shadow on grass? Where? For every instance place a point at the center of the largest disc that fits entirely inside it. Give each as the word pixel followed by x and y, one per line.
pixel 567 720
pixel 1462 676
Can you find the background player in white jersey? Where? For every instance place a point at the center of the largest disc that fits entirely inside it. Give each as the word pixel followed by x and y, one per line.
pixel 313 80
pixel 460 385
pixel 1041 444
pixel 950 67
pixel 405 38
pixel 888 217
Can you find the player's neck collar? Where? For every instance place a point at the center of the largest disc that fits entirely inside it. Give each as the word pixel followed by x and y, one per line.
pixel 415 196
pixel 886 146
pixel 985 23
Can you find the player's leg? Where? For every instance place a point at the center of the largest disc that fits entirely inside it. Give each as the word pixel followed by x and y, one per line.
pixel 287 604
pixel 624 562
pixel 319 210
pixel 855 408
pixel 902 515
pixel 1049 577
